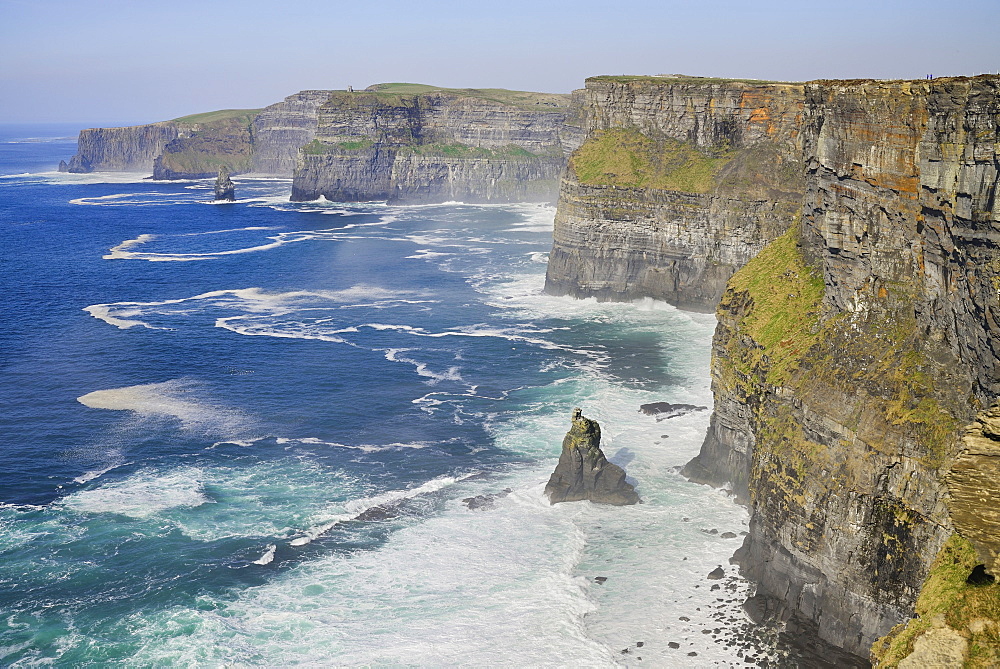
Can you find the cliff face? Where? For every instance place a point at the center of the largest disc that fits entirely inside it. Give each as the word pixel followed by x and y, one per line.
pixel 204 145
pixel 680 182
pixel 437 145
pixel 280 130
pixel 853 350
pixel 265 141
pixel 131 149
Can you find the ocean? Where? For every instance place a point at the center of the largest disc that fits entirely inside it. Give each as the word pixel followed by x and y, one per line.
pixel 273 433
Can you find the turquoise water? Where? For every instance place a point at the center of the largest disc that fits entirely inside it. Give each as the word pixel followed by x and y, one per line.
pixel 244 433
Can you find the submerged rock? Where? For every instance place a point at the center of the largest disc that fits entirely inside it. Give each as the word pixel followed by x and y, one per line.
pixel 224 188
pixel 665 410
pixel 584 473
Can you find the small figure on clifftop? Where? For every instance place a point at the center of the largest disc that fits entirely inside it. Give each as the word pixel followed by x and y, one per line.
pixel 224 188
pixel 584 473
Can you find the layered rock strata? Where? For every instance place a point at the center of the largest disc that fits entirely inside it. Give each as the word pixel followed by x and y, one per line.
pixel 437 145
pixel 131 149
pixel 583 473
pixel 201 148
pixel 680 182
pixel 852 351
pixel 280 130
pixel 264 141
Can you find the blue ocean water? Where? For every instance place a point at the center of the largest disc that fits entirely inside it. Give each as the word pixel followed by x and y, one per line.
pixel 248 433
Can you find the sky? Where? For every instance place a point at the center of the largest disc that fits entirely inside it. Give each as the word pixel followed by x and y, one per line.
pixel 113 62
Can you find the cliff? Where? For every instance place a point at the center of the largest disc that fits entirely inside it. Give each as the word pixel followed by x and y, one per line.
pixel 855 361
pixel 399 142
pixel 264 141
pixel 207 142
pixel 131 149
pixel 280 130
pixel 680 182
pixel 414 143
pixel 852 352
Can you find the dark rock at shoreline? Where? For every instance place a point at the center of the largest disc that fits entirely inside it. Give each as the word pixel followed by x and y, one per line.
pixel 717 573
pixel 224 188
pixel 485 501
pixel 584 473
pixel 63 167
pixel 666 410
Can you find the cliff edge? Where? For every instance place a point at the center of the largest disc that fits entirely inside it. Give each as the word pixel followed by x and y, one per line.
pixel 681 181
pixel 853 351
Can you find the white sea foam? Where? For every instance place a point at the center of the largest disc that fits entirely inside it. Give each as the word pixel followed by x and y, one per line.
pixel 69 179
pixel 452 374
pixel 130 200
pixel 181 399
pixel 141 495
pixel 252 302
pixel 123 250
pixel 268 556
pixel 97 473
pixel 354 508
pixel 367 448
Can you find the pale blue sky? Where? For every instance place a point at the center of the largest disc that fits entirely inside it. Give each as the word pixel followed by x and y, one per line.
pixel 113 61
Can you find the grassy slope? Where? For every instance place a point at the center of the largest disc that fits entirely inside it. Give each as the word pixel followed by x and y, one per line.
pixel 628 158
pixel 947 598
pixel 219 115
pixel 523 99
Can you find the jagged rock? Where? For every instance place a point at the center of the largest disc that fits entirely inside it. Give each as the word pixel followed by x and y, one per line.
pixel 63 167
pixel 665 410
pixel 224 188
pixel 717 573
pixel 584 473
pixel 974 485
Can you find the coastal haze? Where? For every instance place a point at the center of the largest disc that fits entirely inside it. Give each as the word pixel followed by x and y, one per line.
pixel 118 62
pixel 302 303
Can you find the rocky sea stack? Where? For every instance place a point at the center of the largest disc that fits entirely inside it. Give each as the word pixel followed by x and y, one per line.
pixel 224 188
pixel 584 473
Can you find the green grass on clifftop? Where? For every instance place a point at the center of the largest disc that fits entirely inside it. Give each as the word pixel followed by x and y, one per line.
pixel 522 99
pixel 628 158
pixel 220 115
pixel 678 79
pixel 947 599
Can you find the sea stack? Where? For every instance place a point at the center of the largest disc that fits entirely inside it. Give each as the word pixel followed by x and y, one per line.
pixel 224 189
pixel 584 473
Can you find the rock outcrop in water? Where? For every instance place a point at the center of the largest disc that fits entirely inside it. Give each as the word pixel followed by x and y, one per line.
pixel 418 144
pixel 224 188
pixel 583 473
pixel 851 352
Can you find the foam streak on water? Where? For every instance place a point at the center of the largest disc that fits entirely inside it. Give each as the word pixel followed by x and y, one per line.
pixel 329 444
